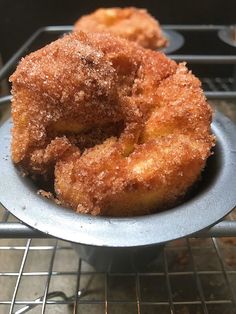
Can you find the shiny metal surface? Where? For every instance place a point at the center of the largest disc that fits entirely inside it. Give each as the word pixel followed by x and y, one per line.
pixel 228 35
pixel 176 41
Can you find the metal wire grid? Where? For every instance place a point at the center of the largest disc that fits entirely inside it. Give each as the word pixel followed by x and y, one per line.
pixel 218 84
pixel 190 275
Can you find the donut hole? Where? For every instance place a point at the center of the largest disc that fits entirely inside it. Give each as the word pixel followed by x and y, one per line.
pixel 88 137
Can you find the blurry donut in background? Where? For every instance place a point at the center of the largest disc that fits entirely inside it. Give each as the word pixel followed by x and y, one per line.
pixel 131 23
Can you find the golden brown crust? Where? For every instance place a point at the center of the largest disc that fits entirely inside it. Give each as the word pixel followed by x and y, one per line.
pixel 66 80
pixel 131 23
pixel 79 78
pixel 127 129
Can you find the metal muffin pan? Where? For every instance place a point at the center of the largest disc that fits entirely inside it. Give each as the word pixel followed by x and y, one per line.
pixel 175 41
pixel 213 199
pixel 228 35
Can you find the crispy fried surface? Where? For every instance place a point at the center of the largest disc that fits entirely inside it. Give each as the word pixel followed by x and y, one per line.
pixel 133 24
pixel 127 129
pixel 64 82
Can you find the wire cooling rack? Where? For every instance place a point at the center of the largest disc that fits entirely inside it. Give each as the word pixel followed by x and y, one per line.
pixel 193 275
pixel 47 276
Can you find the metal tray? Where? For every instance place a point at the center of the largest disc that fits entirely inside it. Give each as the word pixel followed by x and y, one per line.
pixel 214 198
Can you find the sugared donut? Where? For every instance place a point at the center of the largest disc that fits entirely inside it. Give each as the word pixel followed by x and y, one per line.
pixel 126 129
pixel 131 23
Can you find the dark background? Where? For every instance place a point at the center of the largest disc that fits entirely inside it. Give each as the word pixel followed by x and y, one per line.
pixel 20 18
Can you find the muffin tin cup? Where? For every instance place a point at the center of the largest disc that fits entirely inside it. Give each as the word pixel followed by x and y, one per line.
pixel 113 243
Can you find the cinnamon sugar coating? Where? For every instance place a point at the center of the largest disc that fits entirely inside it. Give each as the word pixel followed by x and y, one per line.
pixel 131 23
pixel 126 129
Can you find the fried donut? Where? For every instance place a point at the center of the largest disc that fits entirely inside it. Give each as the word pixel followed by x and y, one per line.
pixel 133 24
pixel 151 121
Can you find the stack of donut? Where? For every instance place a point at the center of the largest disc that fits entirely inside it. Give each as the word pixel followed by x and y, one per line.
pixel 120 130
